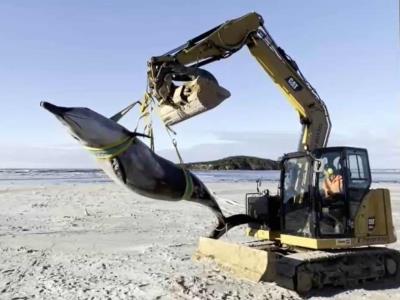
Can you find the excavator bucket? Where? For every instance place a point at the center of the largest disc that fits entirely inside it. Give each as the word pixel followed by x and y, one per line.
pixel 192 98
pixel 244 261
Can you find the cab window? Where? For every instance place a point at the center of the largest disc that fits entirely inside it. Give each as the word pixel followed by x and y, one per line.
pixel 358 170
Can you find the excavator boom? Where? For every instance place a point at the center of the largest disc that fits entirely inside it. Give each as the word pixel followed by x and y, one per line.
pixel 228 38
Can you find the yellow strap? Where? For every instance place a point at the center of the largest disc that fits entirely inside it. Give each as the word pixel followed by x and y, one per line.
pixel 108 146
pixel 113 150
pixel 146 110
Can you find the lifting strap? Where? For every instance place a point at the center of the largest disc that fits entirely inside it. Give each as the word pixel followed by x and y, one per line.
pixel 146 112
pixel 188 178
pixel 110 151
pixel 113 150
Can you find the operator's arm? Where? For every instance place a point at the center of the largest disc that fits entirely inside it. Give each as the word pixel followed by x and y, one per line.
pixel 326 187
pixel 224 40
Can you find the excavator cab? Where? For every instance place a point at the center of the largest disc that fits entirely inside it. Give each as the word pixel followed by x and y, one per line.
pixel 321 191
pixel 322 202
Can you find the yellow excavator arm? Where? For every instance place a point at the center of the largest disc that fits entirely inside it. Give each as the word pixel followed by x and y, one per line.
pixel 184 62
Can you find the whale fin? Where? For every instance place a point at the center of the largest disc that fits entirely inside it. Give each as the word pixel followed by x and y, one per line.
pixel 135 134
pixel 226 224
pixel 123 112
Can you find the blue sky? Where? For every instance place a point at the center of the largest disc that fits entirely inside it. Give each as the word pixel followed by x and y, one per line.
pixel 94 53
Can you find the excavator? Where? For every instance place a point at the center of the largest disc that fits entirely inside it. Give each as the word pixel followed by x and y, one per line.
pixel 325 226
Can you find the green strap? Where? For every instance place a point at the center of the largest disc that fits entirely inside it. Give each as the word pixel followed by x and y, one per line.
pixel 189 182
pixel 146 112
pixel 189 186
pixel 111 151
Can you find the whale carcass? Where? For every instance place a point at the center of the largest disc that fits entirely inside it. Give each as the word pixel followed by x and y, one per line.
pixel 130 162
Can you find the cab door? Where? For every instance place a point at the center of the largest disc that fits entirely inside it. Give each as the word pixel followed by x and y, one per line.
pixel 358 179
pixel 296 199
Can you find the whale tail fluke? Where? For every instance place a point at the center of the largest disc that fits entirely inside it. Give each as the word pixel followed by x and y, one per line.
pixel 226 223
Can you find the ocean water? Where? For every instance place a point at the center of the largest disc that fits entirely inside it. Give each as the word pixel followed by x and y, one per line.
pixel 61 176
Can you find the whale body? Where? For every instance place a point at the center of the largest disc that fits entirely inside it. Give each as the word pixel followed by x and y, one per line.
pixel 130 162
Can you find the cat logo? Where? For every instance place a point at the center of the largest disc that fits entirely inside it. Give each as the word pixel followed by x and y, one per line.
pixel 371 223
pixel 294 84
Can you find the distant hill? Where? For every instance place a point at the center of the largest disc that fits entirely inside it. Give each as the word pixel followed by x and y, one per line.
pixel 235 163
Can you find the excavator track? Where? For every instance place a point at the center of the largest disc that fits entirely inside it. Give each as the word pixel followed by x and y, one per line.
pixel 304 271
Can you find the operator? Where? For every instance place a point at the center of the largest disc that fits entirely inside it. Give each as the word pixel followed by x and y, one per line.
pixel 333 190
pixel 333 184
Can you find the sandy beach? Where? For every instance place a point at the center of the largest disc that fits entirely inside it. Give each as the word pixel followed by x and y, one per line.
pixel 99 241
